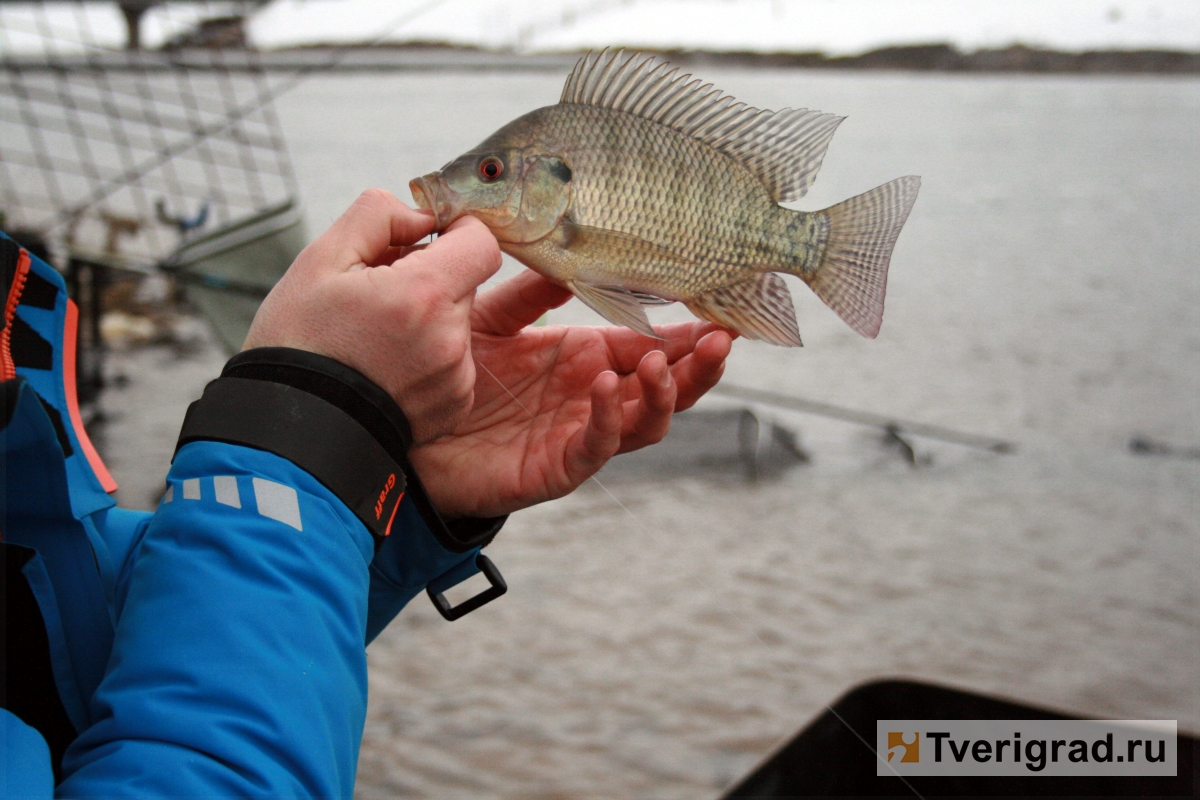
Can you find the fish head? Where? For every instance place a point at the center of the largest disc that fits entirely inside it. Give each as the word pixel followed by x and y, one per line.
pixel 479 182
pixel 520 193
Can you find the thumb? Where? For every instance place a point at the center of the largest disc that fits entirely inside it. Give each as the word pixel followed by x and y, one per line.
pixel 461 258
pixel 375 223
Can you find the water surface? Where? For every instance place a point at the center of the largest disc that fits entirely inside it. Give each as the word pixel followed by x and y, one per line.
pixel 660 641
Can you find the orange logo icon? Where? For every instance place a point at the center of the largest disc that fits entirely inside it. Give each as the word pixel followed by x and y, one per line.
pixel 910 751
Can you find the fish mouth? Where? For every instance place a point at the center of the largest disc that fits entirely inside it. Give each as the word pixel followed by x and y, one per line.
pixel 432 194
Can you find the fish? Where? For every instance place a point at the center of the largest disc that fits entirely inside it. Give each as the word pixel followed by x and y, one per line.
pixel 646 186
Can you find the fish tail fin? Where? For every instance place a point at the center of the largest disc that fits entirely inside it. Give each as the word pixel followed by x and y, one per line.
pixel 851 277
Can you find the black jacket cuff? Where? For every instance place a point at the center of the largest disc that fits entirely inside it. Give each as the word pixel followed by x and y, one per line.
pixel 337 425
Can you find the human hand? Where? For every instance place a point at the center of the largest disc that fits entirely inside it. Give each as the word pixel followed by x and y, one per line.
pixel 553 404
pixel 363 295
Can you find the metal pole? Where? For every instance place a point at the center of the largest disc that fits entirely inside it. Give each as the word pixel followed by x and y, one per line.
pixel 890 425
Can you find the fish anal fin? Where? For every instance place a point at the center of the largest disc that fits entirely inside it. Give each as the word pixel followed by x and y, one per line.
pixel 783 149
pixel 618 306
pixel 757 309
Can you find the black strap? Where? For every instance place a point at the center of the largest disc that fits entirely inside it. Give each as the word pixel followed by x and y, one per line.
pixel 335 424
pixel 334 382
pixel 316 436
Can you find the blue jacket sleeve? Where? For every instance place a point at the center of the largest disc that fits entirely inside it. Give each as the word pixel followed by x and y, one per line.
pixel 26 773
pixel 401 568
pixel 238 665
pixel 408 559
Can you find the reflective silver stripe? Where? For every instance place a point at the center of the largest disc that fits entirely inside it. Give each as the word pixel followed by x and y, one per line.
pixel 225 487
pixel 191 489
pixel 277 502
pixel 170 495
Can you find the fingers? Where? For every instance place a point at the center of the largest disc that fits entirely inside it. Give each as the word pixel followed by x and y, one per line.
pixel 698 372
pixel 461 258
pixel 411 225
pixel 516 303
pixel 648 418
pixel 391 255
pixel 364 234
pixel 627 347
pixel 597 441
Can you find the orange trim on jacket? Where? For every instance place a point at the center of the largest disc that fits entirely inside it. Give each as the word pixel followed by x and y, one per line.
pixel 8 368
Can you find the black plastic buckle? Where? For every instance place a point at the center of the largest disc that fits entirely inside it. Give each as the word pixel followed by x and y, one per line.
pixel 498 588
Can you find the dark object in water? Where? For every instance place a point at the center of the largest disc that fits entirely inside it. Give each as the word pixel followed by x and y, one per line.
pixel 714 442
pixel 892 437
pixel 1143 446
pixel 896 440
pixel 829 757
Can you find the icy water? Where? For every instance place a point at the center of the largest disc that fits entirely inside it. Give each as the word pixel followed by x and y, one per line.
pixel 660 640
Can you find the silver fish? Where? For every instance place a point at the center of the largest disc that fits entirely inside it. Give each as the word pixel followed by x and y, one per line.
pixel 644 186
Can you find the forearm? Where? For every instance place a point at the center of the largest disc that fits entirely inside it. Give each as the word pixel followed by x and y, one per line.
pixel 238 666
pixel 422 548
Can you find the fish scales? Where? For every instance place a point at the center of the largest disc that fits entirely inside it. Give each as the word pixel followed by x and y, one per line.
pixel 658 191
pixel 644 186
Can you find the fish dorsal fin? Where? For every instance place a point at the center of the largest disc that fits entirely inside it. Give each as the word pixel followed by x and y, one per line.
pixel 783 149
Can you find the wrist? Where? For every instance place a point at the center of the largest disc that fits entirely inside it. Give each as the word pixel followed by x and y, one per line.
pixel 334 423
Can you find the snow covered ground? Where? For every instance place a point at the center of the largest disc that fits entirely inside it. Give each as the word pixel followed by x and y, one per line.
pixel 831 26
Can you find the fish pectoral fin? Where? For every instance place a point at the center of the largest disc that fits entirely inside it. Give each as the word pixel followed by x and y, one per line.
pixel 597 250
pixel 651 300
pixel 603 246
pixel 757 309
pixel 617 305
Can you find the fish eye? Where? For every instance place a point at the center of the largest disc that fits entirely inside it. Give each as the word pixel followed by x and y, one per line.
pixel 491 168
